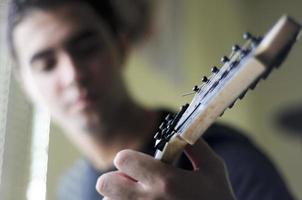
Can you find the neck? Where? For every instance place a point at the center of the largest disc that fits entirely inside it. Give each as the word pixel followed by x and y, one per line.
pixel 128 128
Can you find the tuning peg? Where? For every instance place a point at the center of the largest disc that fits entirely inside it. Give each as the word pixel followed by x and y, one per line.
pixel 242 94
pixel 225 59
pixel 232 104
pixel 169 117
pixel 258 39
pixel 215 69
pixel 247 36
pixel 160 144
pixel 244 52
pixel 254 84
pixel 267 73
pixel 158 136
pixel 165 132
pixel 162 126
pixel 195 88
pixel 183 108
pixel 234 64
pixel 236 48
pixel 205 79
pixel 221 113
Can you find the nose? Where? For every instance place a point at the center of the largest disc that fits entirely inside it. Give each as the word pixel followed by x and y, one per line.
pixel 70 72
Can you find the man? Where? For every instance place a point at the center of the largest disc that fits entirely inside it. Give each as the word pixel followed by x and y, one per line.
pixel 70 56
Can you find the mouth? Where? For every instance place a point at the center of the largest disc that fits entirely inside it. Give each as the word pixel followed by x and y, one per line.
pixel 83 102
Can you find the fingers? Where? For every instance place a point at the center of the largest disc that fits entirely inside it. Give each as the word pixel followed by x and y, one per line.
pixel 117 185
pixel 139 166
pixel 201 155
pixel 140 176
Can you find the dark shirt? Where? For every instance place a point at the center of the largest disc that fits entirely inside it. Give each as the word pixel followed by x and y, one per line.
pixel 251 173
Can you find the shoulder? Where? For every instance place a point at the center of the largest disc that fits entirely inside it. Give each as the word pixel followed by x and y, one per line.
pixel 252 174
pixel 235 148
pixel 78 183
pixel 67 186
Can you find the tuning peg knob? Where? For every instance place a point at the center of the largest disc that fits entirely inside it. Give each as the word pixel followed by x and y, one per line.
pixel 183 108
pixel 195 88
pixel 225 59
pixel 215 69
pixel 221 113
pixel 160 144
pixel 256 40
pixel 232 104
pixel 259 39
pixel 205 79
pixel 254 84
pixel 169 117
pixel 158 136
pixel 162 126
pixel 247 36
pixel 243 94
pixel 236 48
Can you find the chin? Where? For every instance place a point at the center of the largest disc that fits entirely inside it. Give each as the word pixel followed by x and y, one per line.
pixel 88 123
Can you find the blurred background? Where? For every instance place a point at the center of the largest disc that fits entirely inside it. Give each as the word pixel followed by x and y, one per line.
pixel 189 38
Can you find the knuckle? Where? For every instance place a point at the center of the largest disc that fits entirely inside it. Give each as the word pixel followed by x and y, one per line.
pixel 132 195
pixel 166 184
pixel 164 187
pixel 102 184
pixel 221 163
pixel 122 157
pixel 220 168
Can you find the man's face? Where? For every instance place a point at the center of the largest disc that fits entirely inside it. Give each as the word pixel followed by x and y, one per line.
pixel 69 62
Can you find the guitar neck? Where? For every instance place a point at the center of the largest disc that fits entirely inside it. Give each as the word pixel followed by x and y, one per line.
pixel 239 73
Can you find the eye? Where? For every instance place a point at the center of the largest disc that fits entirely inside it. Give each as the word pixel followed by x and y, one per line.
pixel 49 64
pixel 87 47
pixel 45 65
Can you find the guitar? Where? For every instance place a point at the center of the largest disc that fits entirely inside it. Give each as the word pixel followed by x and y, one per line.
pixel 241 71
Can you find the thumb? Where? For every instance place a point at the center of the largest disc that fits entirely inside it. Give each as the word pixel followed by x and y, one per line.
pixel 201 155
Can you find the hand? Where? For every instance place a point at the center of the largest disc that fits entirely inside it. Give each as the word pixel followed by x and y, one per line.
pixel 141 177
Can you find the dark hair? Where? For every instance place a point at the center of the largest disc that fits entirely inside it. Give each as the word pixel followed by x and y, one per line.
pixel 131 17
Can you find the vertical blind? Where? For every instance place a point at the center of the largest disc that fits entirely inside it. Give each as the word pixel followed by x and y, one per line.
pixel 4 90
pixel 23 135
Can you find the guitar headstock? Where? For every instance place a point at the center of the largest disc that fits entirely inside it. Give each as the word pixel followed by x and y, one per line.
pixel 240 71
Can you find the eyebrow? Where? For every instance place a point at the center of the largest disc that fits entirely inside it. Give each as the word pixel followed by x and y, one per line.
pixel 77 37
pixel 80 36
pixel 40 55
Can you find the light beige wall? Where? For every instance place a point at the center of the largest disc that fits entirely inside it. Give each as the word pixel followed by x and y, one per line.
pixel 210 28
pixel 206 30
